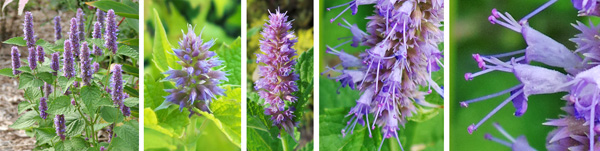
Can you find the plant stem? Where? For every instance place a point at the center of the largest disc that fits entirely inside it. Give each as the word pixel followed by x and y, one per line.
pixel 284 141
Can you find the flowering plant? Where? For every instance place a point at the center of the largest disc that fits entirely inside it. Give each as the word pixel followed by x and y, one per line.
pixel 74 99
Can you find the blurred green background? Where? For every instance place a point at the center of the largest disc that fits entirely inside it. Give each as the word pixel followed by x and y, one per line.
pixel 471 32
pixel 423 135
pixel 300 12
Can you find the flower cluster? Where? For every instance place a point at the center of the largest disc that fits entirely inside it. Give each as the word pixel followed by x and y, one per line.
pixel 57 28
pixel 111 32
pixel 277 77
pixel 32 58
pixel 117 92
pixel 97 34
pixel 74 37
pixel 43 108
pixel 196 80
pixel 68 60
pixel 576 130
pixel 85 63
pixel 16 60
pixel 55 64
pixel 28 30
pixel 403 38
pixel 80 24
pixel 59 123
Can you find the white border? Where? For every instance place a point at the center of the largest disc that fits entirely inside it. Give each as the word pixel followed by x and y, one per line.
pixel 141 74
pixel 244 74
pixel 316 65
pixel 446 75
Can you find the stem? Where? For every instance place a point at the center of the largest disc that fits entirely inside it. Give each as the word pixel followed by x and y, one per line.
pixel 284 141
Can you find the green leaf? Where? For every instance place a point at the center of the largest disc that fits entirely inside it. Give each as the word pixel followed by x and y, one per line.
pixel 111 114
pixel 304 68
pixel 44 135
pixel 60 105
pixel 261 139
pixel 25 105
pixel 131 42
pixel 131 102
pixel 128 51
pixel 121 144
pixel 76 143
pixel 161 51
pixel 74 128
pixel 27 80
pixel 26 120
pixel 46 77
pixel 231 55
pixel 131 70
pixel 129 134
pixel 333 121
pixel 345 98
pixel 65 83
pixel 227 115
pixel 154 92
pixel 7 72
pixel 119 8
pixel 33 94
pixel 100 126
pixel 91 96
pixel 174 120
pixel 19 41
pixel 257 119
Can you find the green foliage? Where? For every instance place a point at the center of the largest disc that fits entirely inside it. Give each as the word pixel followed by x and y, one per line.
pixel 232 58
pixel 92 110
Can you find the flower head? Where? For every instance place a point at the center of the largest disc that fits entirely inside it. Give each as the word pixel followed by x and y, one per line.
pixel 57 28
pixel 95 67
pixel 68 60
pixel 197 80
pixel 47 89
pixel 28 30
pixel 277 79
pixel 111 32
pixel 74 36
pixel 43 108
pixel 55 64
pixel 16 60
pixel 97 34
pixel 84 58
pixel 32 58
pixel 59 123
pixel 100 17
pixel 117 85
pixel 80 23
pixel 41 54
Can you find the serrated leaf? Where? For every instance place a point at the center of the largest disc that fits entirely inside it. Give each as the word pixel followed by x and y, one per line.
pixel 174 120
pixel 333 121
pixel 153 97
pixel 65 83
pixel 111 114
pixel 161 51
pixel 91 96
pixel 27 80
pixel 231 55
pixel 119 8
pixel 60 105
pixel 131 102
pixel 227 115
pixel 7 72
pixel 33 94
pixel 46 77
pixel 129 134
pixel 19 41
pixel 304 68
pixel 76 143
pixel 128 51
pixel 44 135
pixel 74 128
pixel 100 126
pixel 25 105
pixel 26 120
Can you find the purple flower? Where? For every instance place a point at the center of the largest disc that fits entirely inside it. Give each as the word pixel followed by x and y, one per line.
pixel 587 7
pixel 111 32
pixel 68 60
pixel 402 40
pixel 73 102
pixel 32 58
pixel 117 85
pixel 80 23
pixel 102 148
pixel 518 144
pixel 84 58
pixel 277 76
pixel 16 60
pixel 47 89
pixel 59 123
pixel 41 54
pixel 196 81
pixel 111 132
pixel 74 36
pixel 97 34
pixel 28 30
pixel 43 108
pixel 95 67
pixel 55 64
pixel 57 28
pixel 100 17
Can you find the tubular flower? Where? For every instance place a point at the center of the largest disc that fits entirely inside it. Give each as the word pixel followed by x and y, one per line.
pixel 97 34
pixel 100 17
pixel 125 109
pixel 73 102
pixel 95 67
pixel 197 80
pixel 59 123
pixel 277 77
pixel 403 38
pixel 57 28
pixel 117 85
pixel 55 64
pixel 576 130
pixel 28 30
pixel 74 36
pixel 111 32
pixel 43 108
pixel 32 58
pixel 80 23
pixel 41 54
pixel 84 58
pixel 68 60
pixel 16 60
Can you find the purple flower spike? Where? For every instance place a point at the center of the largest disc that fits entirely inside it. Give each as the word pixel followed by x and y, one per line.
pixel 28 30
pixel 57 28
pixel 43 108
pixel 59 123
pixel 197 82
pixel 74 36
pixel 32 58
pixel 55 64
pixel 277 77
pixel 68 60
pixel 47 89
pixel 73 102
pixel 97 34
pixel 84 58
pixel 100 17
pixel 16 60
pixel 41 54
pixel 111 32
pixel 402 40
pixel 117 85
pixel 80 23
pixel 95 67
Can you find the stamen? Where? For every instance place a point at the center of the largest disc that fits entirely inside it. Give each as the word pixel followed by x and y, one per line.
pixel 497 140
pixel 501 130
pixel 474 127
pixel 508 54
pixel 546 5
pixel 466 103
